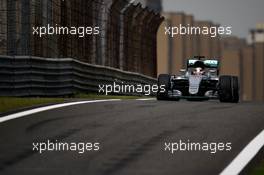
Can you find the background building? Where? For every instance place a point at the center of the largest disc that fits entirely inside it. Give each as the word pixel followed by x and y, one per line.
pixel 181 47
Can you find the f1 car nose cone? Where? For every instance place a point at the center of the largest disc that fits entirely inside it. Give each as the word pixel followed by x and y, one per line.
pixel 194 83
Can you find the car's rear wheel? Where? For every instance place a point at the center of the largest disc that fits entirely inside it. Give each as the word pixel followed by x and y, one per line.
pixel 164 81
pixel 235 89
pixel 228 89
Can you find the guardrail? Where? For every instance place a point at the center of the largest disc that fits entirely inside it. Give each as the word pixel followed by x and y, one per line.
pixel 35 76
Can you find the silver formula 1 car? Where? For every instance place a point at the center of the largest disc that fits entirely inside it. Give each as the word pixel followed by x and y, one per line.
pixel 201 81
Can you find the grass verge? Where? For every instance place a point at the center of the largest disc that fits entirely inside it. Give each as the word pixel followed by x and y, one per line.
pixel 98 97
pixel 11 103
pixel 259 170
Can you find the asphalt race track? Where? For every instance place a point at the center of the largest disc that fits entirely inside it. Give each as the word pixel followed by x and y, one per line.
pixel 131 134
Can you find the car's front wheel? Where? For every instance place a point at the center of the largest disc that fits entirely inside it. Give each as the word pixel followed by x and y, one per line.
pixel 164 85
pixel 228 89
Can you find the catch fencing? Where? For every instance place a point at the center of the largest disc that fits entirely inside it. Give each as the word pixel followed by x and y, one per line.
pixel 127 38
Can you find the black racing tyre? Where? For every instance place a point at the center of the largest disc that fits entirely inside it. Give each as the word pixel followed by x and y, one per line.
pixel 225 88
pixel 228 89
pixel 163 80
pixel 235 88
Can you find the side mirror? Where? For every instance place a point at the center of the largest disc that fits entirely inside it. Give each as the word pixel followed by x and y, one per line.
pixel 213 72
pixel 182 71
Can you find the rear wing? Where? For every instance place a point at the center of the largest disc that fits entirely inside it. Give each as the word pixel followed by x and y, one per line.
pixel 211 64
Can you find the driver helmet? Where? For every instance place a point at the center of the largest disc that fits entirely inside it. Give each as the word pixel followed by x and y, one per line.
pixel 198 71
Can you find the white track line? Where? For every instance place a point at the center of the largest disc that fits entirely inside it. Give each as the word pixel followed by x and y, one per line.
pixel 145 99
pixel 45 108
pixel 244 157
